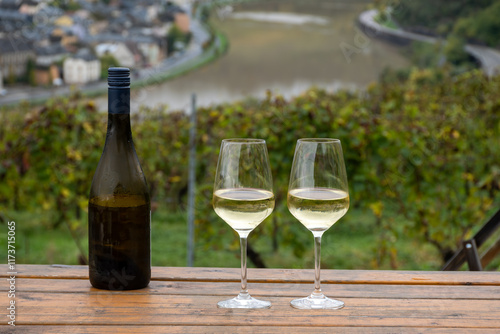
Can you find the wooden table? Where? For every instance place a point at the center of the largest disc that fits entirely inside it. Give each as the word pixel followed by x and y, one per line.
pixel 59 299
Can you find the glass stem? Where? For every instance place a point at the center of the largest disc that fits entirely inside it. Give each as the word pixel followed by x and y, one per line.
pixel 244 289
pixel 317 266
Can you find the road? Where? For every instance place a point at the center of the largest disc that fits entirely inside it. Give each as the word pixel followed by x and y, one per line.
pixel 489 58
pixel 200 36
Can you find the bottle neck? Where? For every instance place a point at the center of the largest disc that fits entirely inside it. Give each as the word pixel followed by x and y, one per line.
pixel 118 100
pixel 119 115
pixel 119 128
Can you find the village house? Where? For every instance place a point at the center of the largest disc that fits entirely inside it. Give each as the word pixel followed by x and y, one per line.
pixel 181 19
pixel 12 21
pixel 48 55
pixel 48 71
pixel 147 50
pixel 65 35
pixel 119 51
pixel 150 48
pixel 14 57
pixel 47 76
pixel 10 4
pixel 30 7
pixel 81 68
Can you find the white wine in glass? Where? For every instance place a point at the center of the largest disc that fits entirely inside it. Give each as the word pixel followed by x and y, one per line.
pixel 318 197
pixel 243 208
pixel 243 198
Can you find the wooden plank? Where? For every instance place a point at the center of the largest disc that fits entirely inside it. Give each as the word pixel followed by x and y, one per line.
pixel 124 309
pixel 272 289
pixel 88 329
pixel 276 275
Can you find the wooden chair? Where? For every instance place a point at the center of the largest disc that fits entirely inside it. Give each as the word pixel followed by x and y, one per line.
pixel 468 252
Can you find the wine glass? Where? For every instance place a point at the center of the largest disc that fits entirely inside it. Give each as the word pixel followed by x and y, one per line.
pixel 243 197
pixel 318 197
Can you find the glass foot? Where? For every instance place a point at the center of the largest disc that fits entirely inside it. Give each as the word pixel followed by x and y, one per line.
pixel 317 302
pixel 244 301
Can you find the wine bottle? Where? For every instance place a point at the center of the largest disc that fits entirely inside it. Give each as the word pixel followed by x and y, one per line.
pixel 119 203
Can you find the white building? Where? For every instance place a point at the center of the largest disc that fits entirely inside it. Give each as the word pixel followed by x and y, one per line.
pixel 81 68
pixel 119 51
pixel 151 52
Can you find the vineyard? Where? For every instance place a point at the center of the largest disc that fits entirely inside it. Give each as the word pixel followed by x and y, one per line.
pixel 422 155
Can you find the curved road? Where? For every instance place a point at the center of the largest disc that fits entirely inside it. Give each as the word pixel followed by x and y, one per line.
pixel 488 57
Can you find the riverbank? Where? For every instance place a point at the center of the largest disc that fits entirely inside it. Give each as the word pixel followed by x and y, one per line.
pixel 489 58
pixel 285 51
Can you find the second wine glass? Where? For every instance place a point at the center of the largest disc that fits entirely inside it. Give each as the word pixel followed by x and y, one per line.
pixel 243 197
pixel 318 197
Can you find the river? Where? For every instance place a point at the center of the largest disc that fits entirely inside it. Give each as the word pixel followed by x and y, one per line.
pixel 286 46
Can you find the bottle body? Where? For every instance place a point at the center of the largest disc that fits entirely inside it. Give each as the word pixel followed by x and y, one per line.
pixel 118 233
pixel 119 206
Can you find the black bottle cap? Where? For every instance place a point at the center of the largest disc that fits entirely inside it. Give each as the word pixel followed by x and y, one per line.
pixel 118 77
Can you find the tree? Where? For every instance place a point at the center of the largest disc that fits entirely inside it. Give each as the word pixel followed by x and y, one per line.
pixel 107 61
pixel 482 27
pixel 455 50
pixel 176 35
pixel 30 72
pixel 11 77
pixel 436 16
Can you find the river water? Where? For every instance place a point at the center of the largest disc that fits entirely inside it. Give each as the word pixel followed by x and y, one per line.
pixel 286 46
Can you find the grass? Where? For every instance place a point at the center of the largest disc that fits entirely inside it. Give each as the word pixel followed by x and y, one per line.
pixel 352 243
pixel 386 21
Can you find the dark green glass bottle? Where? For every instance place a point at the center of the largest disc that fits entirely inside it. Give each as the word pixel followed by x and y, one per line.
pixel 119 203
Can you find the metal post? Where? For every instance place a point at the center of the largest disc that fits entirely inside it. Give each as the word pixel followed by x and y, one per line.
pixel 191 182
pixel 472 255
